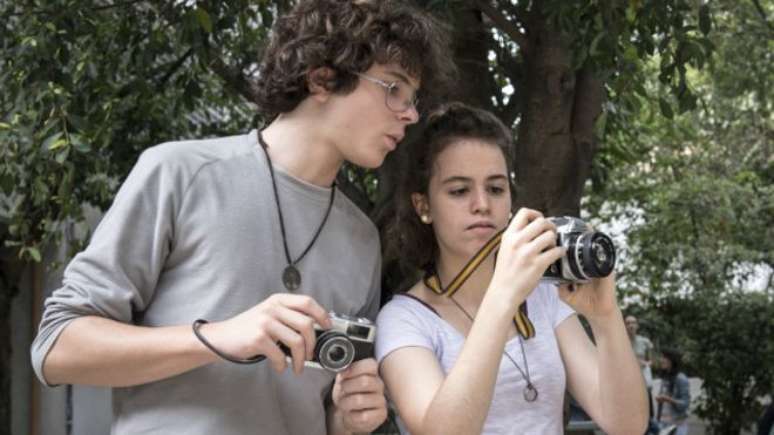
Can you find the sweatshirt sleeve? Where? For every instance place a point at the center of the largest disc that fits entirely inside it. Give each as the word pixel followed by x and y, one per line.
pixel 116 275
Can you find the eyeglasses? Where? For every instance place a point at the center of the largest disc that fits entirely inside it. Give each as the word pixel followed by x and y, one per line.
pixel 399 96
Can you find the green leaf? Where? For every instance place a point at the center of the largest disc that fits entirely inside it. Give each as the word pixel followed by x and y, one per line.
pixel 631 12
pixel 705 24
pixel 61 156
pixel 204 19
pixel 597 39
pixel 79 144
pixel 34 253
pixel 53 142
pixel 630 53
pixel 666 108
pixel 687 102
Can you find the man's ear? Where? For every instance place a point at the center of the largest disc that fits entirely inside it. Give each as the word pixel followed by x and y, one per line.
pixel 320 82
pixel 421 207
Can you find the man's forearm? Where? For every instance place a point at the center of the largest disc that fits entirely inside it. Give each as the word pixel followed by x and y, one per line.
pixel 97 351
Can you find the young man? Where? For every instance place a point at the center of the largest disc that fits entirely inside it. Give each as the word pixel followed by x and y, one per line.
pixel 249 234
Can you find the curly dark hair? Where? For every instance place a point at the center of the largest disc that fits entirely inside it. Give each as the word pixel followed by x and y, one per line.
pixel 349 36
pixel 407 238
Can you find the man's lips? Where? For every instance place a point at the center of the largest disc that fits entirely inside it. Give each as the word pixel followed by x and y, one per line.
pixel 396 137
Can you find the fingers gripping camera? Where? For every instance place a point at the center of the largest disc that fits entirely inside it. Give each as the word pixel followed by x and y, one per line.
pixel 590 254
pixel 350 339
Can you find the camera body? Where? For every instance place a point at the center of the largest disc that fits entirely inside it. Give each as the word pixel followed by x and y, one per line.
pixel 348 340
pixel 590 254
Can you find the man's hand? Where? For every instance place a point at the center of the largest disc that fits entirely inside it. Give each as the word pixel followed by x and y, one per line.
pixel 358 399
pixel 281 318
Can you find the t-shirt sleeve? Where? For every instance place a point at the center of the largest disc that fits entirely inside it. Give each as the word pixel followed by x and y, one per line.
pixel 116 275
pixel 371 307
pixel 555 305
pixel 401 324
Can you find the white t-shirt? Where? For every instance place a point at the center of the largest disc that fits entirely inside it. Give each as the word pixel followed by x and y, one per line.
pixel 406 321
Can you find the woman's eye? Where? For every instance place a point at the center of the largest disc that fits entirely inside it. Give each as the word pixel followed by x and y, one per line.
pixel 497 190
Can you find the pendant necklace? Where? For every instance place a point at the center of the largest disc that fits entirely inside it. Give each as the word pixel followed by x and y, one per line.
pixel 530 392
pixel 291 276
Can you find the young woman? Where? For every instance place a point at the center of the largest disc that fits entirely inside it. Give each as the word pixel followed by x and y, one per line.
pixel 674 397
pixel 457 364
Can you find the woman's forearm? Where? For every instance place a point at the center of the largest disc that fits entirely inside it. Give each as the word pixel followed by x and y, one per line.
pixel 462 403
pixel 622 394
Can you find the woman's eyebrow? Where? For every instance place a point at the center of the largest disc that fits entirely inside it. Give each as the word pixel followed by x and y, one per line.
pixel 460 178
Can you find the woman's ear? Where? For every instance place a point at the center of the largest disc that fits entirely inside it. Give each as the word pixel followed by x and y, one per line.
pixel 421 207
pixel 320 81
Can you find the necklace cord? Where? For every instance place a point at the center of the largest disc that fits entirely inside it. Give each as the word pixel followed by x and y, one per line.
pixel 290 261
pixel 521 343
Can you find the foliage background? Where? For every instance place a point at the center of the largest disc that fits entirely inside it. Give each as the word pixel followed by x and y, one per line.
pixel 656 116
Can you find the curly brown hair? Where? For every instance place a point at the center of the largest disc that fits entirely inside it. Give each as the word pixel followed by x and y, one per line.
pixel 349 36
pixel 407 238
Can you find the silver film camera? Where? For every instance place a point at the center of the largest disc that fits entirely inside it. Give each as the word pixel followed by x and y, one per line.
pixel 350 339
pixel 590 254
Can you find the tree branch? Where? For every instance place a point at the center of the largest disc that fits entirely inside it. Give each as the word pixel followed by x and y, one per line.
pixel 235 79
pixel 762 13
pixel 503 24
pixel 510 111
pixel 175 66
pixel 51 11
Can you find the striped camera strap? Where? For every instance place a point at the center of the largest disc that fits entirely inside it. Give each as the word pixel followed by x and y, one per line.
pixel 520 320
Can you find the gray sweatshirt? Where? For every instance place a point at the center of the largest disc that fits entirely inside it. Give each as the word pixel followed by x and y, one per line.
pixel 194 233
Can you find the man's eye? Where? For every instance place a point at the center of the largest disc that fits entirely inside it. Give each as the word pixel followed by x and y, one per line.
pixel 458 192
pixel 394 89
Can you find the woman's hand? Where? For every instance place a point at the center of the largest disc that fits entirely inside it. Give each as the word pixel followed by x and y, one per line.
pixel 527 248
pixel 595 300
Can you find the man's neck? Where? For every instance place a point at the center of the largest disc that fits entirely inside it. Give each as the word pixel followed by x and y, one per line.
pixel 297 144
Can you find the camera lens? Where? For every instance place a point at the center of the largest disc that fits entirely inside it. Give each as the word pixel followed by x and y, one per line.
pixel 598 255
pixel 337 353
pixel 334 351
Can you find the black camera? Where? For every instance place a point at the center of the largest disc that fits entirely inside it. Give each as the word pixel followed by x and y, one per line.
pixel 350 339
pixel 590 254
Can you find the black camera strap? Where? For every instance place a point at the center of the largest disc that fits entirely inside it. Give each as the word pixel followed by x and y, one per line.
pixel 198 323
pixel 520 320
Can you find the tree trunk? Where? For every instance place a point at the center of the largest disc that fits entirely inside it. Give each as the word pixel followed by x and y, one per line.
pixel 10 274
pixel 555 144
pixel 472 42
pixel 5 361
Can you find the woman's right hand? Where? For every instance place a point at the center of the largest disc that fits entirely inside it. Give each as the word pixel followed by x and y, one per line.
pixel 527 248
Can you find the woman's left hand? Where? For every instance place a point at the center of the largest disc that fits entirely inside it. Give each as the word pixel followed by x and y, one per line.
pixel 594 300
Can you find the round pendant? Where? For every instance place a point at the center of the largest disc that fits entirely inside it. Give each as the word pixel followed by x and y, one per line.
pixel 291 277
pixel 530 393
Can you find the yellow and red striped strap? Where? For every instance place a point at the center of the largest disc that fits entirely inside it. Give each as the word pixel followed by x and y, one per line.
pixel 520 320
